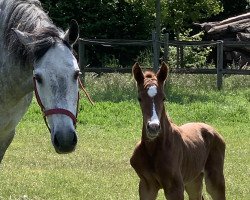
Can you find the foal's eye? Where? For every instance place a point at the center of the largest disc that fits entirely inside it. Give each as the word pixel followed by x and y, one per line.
pixel 139 99
pixel 76 75
pixel 38 78
pixel 164 98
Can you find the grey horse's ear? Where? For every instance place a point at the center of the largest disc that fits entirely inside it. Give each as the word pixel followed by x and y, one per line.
pixel 72 34
pixel 23 37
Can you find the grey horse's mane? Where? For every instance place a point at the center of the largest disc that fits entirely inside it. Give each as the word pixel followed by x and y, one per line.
pixel 28 16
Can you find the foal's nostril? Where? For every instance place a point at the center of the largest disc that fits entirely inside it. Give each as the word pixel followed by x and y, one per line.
pixel 148 126
pixel 153 127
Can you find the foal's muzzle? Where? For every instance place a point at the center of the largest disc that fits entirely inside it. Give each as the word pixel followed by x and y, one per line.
pixel 153 130
pixel 64 141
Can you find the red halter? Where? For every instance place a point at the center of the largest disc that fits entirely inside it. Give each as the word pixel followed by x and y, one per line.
pixel 59 110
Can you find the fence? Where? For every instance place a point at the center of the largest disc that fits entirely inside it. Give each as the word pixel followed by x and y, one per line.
pixel 219 70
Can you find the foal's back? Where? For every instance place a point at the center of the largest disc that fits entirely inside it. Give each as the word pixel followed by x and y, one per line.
pixel 203 150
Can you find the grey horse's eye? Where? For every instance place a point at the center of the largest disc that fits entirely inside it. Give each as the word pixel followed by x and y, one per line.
pixel 38 78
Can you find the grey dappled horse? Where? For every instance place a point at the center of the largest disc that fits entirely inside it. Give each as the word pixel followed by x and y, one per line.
pixel 32 46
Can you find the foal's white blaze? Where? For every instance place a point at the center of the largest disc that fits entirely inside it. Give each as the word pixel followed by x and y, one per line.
pixel 154 118
pixel 152 91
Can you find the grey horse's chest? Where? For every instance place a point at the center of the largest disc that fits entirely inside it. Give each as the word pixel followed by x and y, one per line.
pixel 15 94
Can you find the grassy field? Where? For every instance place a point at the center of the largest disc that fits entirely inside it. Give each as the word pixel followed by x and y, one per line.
pixel 99 168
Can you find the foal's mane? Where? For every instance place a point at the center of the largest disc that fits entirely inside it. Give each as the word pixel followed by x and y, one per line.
pixel 28 16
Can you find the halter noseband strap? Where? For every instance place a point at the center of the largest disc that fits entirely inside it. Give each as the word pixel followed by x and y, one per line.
pixel 61 111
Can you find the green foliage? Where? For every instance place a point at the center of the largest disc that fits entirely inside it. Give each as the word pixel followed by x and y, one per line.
pixel 102 18
pixel 179 14
pixel 127 19
pixel 130 19
pixel 193 56
pixel 145 57
pixel 231 8
pixel 134 19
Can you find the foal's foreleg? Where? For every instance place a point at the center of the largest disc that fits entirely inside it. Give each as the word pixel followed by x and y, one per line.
pixel 176 193
pixel 147 190
pixel 174 188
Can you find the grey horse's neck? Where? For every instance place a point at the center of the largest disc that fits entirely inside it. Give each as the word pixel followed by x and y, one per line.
pixel 15 69
pixel 16 80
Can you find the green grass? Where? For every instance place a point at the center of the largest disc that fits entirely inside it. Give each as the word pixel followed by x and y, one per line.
pixel 108 132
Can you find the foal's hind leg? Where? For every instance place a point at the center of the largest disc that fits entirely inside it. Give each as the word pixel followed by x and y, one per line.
pixel 215 184
pixel 194 188
pixel 214 177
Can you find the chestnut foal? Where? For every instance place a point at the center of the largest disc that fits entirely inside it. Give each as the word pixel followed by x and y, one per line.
pixel 171 157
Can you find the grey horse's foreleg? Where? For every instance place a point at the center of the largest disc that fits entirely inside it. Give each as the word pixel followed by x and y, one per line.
pixel 5 142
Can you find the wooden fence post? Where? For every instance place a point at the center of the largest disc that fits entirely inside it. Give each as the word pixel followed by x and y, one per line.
pixel 155 51
pixel 181 56
pixel 82 59
pixel 177 52
pixel 219 64
pixel 166 47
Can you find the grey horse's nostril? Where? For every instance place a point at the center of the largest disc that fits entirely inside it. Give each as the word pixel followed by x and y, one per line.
pixel 74 139
pixel 56 143
pixel 65 142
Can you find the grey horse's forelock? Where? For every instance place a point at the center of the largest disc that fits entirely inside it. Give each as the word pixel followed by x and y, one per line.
pixel 28 16
pixel 44 40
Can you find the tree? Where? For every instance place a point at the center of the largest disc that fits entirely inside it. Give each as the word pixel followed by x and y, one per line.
pixel 177 15
pixel 231 8
pixel 102 18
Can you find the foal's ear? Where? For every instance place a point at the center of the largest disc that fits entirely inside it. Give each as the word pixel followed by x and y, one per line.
pixel 72 34
pixel 137 72
pixel 162 72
